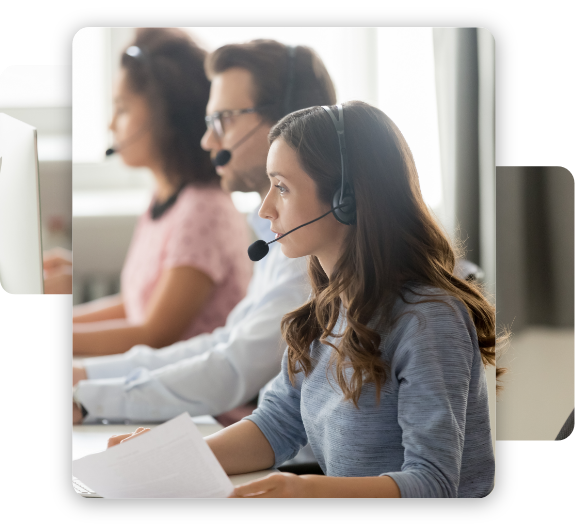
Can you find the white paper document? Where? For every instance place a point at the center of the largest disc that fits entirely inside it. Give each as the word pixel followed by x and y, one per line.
pixel 170 461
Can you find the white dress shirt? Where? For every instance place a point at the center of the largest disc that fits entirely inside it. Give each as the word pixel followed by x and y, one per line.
pixel 210 373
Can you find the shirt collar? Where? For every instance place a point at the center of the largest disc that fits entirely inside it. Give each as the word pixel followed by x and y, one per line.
pixel 261 226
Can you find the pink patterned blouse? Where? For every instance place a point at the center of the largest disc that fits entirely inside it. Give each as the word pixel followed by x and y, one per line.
pixel 203 230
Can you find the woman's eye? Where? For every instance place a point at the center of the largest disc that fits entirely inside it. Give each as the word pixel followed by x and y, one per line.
pixel 280 188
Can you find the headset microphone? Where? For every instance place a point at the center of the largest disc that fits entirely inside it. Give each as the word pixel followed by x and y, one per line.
pixel 223 156
pixel 135 136
pixel 259 249
pixel 343 203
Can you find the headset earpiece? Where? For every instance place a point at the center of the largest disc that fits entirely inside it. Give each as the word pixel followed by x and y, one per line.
pixel 344 208
pixel 343 203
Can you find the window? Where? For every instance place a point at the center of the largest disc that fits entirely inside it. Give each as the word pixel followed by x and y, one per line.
pixel 391 68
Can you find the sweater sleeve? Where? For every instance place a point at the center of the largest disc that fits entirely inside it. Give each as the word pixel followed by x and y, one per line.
pixel 432 366
pixel 278 416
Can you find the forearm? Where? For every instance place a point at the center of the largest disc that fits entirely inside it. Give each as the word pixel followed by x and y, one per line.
pixel 107 308
pixel 241 448
pixel 350 487
pixel 110 337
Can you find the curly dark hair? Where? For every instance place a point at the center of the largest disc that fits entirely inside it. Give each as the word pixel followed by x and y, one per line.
pixel 170 75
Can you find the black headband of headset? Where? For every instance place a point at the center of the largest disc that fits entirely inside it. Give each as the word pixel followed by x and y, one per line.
pixel 338 123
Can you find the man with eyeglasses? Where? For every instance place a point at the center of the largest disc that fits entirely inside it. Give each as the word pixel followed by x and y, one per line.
pixel 253 86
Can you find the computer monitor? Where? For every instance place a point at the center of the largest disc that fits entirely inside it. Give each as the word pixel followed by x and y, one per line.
pixel 21 269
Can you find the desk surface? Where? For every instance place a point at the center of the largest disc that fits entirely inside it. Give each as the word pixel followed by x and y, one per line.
pixel 89 439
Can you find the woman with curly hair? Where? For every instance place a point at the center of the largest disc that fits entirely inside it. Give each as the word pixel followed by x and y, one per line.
pixel 384 374
pixel 186 268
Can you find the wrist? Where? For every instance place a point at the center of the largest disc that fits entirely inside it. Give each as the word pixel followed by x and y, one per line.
pixel 78 374
pixel 80 411
pixel 311 486
pixel 77 416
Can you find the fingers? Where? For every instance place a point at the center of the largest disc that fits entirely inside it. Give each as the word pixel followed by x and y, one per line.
pixel 115 440
pixel 258 495
pixel 53 262
pixel 58 281
pixel 78 374
pixel 138 432
pixel 57 257
pixel 257 488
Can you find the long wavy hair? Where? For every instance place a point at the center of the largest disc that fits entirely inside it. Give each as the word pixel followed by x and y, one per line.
pixel 396 245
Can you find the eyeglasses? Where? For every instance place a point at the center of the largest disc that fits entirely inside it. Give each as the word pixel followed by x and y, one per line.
pixel 216 121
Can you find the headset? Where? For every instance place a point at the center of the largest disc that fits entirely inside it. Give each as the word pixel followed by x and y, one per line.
pixel 343 203
pixel 140 56
pixel 157 210
pixel 223 156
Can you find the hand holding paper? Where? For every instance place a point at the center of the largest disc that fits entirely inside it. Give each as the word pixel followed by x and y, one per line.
pixel 170 461
pixel 116 440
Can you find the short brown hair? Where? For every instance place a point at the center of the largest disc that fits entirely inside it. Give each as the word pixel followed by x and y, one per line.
pixel 268 62
pixel 170 75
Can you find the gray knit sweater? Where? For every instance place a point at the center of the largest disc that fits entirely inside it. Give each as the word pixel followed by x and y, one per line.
pixel 430 432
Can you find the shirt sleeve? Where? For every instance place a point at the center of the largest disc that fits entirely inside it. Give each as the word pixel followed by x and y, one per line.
pixel 199 232
pixel 157 384
pixel 432 367
pixel 121 365
pixel 278 416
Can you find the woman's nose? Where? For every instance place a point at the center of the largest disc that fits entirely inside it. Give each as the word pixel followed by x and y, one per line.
pixel 267 210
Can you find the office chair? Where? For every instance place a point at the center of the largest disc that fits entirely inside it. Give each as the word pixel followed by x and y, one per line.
pixel 469 271
pixel 567 432
pixel 304 463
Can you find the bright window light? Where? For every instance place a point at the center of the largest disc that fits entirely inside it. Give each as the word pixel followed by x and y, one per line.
pixel 406 93
pixel 391 68
pixel 348 53
pixel 90 93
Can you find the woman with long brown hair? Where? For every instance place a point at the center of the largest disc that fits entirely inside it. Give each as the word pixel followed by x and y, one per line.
pixel 384 371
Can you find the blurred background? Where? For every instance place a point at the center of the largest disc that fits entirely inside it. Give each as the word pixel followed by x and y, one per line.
pixel 436 84
pixel 535 220
pixel 41 97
